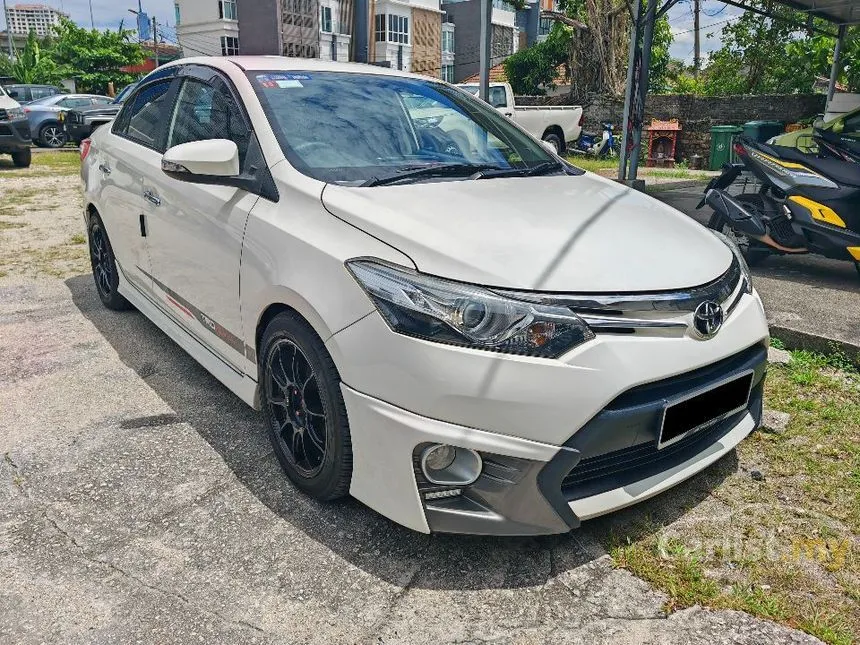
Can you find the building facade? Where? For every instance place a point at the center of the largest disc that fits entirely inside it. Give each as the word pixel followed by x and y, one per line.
pixel 24 18
pixel 208 27
pixel 466 17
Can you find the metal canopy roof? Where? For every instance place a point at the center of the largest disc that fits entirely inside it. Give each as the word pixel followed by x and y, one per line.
pixel 840 12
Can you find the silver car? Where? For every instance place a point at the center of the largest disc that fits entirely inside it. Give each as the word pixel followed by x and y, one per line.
pixel 46 116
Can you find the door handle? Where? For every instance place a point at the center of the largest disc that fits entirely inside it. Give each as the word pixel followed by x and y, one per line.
pixel 149 196
pixel 508 113
pixel 104 169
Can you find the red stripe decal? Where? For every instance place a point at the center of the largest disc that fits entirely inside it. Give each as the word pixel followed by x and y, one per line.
pixel 184 309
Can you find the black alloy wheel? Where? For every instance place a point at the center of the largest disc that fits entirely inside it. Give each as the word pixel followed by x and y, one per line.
pixel 304 408
pixel 53 136
pixel 104 267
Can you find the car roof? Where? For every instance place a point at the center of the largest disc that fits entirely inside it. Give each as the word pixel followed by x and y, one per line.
pixel 283 63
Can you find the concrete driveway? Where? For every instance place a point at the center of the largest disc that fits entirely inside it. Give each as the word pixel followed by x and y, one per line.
pixel 141 503
pixel 810 301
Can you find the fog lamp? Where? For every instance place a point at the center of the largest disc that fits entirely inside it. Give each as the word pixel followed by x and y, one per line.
pixel 450 466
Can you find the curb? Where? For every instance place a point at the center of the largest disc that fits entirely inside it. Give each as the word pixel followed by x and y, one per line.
pixel 796 339
pixel 674 185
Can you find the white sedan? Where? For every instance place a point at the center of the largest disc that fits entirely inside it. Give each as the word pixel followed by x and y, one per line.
pixel 467 337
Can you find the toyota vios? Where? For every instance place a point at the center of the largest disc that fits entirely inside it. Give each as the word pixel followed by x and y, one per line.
pixel 435 314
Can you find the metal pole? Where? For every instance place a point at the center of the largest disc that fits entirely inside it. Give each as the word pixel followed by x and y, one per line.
pixel 8 29
pixel 647 40
pixel 486 46
pixel 92 22
pixel 697 59
pixel 628 92
pixel 834 71
pixel 155 39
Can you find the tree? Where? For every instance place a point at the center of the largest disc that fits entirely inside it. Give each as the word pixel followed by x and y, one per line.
pixel 531 71
pixel 95 58
pixel 33 64
pixel 763 55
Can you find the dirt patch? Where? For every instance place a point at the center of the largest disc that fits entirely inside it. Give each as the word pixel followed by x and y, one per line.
pixel 41 227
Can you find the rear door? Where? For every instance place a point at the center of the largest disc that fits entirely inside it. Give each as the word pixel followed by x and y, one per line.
pixel 197 230
pixel 124 157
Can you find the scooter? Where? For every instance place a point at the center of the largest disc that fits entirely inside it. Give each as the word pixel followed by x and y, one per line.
pixel 588 143
pixel 806 203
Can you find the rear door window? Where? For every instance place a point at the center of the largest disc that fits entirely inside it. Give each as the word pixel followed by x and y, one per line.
pixel 144 116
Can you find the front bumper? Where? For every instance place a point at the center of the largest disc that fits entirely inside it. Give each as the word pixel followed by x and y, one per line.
pixel 78 131
pixel 14 135
pixel 561 440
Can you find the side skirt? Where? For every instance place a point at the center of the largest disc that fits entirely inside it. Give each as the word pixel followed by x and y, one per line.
pixel 240 384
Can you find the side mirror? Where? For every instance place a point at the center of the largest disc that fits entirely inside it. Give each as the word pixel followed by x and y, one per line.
pixel 212 161
pixel 818 123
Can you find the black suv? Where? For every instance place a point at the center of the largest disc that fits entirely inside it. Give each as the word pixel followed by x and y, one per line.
pixel 26 93
pixel 81 122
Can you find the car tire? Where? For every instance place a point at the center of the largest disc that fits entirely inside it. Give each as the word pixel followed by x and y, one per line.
pixel 22 158
pixel 754 252
pixel 52 135
pixel 105 271
pixel 555 140
pixel 304 409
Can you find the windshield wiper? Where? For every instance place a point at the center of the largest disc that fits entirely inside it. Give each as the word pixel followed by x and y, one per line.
pixel 435 170
pixel 540 169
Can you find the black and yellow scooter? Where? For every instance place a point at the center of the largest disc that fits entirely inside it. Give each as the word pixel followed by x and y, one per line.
pixel 806 203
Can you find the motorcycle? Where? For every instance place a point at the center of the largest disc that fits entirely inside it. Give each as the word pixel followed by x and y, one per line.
pixel 806 203
pixel 588 143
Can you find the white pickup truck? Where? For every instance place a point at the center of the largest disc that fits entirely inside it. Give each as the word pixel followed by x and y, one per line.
pixel 556 124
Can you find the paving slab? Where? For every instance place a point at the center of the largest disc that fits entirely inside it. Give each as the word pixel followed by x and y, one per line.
pixel 140 502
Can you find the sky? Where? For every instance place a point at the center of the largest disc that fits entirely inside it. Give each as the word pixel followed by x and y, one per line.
pixel 109 13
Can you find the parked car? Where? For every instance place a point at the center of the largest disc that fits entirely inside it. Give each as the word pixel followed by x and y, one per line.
pixel 46 116
pixel 477 341
pixel 556 124
pixel 24 93
pixel 81 122
pixel 14 131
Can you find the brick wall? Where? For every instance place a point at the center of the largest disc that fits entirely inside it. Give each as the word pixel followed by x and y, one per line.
pixel 426 43
pixel 696 114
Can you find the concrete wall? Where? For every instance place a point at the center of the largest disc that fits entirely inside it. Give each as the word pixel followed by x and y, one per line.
pixel 697 114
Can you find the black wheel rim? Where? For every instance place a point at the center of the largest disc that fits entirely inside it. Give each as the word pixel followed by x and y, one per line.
pixel 296 407
pixel 102 266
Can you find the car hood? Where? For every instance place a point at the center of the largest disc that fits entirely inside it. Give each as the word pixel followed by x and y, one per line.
pixel 7 102
pixel 99 110
pixel 557 233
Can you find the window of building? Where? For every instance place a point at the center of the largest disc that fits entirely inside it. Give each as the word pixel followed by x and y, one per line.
pixel 398 29
pixel 229 46
pixel 545 26
pixel 227 10
pixel 176 11
pixel 325 19
pixel 379 27
pixel 448 73
pixel 448 42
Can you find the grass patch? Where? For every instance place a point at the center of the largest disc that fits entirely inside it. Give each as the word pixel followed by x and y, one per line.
pixel 786 548
pixel 44 164
pixel 593 164
pixel 9 225
pixel 78 238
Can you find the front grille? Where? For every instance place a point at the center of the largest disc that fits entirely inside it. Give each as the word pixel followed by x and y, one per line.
pixel 619 445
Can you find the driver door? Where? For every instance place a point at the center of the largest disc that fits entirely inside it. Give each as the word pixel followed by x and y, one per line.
pixel 196 230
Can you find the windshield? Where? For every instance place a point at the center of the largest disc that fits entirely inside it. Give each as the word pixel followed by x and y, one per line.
pixel 353 128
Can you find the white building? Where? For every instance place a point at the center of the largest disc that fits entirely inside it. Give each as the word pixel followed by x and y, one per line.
pixel 23 18
pixel 207 27
pixel 335 29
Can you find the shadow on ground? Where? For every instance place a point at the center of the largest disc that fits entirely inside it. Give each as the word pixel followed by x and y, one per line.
pixel 357 534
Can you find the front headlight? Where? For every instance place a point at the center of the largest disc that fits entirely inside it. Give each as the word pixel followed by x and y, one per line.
pixel 746 276
pixel 462 314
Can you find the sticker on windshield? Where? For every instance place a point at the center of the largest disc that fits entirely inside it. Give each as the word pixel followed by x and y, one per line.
pixel 282 80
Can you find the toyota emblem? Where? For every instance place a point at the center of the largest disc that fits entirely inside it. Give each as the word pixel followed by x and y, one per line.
pixel 707 319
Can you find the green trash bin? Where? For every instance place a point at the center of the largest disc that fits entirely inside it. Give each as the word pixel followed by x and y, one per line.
pixel 721 144
pixel 763 130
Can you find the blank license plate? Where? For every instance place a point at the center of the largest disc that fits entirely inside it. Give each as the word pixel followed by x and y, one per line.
pixel 705 408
